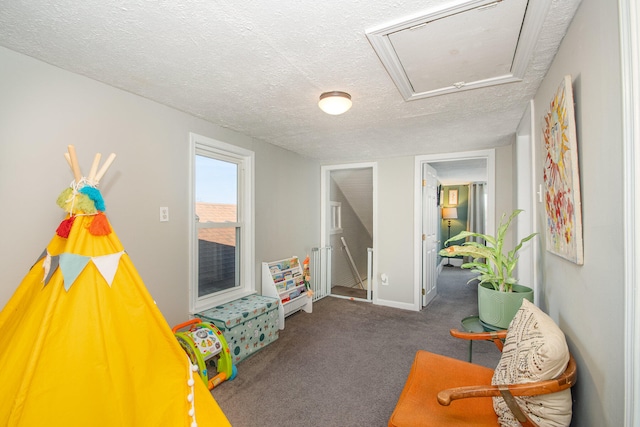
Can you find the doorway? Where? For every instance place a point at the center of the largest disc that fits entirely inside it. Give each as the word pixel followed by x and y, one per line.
pixel 449 169
pixel 348 230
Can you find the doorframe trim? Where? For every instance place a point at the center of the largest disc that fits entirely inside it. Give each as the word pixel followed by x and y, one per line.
pixel 490 155
pixel 325 206
pixel 527 131
pixel 629 18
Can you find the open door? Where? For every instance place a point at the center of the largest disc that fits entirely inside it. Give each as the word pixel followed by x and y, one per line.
pixel 429 234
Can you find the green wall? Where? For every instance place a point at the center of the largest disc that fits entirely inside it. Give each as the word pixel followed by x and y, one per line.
pixel 460 224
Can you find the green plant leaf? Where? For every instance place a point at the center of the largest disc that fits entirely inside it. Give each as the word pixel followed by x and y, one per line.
pixel 464 234
pixel 498 267
pixel 472 251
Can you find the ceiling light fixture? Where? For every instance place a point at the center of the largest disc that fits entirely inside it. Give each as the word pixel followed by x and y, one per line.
pixel 335 102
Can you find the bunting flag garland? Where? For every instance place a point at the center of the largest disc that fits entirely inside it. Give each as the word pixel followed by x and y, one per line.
pixel 107 265
pixel 42 255
pixel 50 265
pixel 71 266
pixel 75 352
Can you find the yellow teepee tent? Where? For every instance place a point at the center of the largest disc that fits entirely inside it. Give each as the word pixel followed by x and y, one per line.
pixel 82 342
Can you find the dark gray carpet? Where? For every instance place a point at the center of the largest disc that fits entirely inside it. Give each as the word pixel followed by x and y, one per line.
pixel 345 364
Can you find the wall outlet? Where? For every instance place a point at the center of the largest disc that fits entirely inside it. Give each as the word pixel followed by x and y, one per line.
pixel 164 214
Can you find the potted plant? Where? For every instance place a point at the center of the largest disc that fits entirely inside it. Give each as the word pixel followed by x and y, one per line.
pixel 499 294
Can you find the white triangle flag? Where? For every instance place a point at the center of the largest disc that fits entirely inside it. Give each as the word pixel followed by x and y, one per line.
pixel 107 265
pixel 53 265
pixel 46 266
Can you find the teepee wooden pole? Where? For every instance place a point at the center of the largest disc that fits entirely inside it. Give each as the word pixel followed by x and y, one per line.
pixel 77 175
pixel 68 158
pixel 94 167
pixel 106 165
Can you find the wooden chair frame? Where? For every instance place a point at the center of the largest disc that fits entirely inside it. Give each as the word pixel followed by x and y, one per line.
pixel 425 376
pixel 564 381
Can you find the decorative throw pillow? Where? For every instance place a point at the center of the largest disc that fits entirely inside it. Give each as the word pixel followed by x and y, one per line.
pixel 535 349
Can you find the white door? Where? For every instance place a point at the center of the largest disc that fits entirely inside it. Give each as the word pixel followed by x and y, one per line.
pixel 429 233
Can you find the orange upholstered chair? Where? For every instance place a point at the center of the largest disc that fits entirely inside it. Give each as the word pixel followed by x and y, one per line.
pixel 436 381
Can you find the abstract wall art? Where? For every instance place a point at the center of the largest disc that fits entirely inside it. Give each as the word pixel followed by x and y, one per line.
pixel 561 177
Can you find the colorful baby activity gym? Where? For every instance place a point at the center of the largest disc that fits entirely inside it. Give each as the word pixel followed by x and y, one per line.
pixel 82 342
pixel 204 343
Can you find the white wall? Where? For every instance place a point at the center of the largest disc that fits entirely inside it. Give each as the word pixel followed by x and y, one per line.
pixel 394 243
pixel 44 108
pixel 505 181
pixel 587 301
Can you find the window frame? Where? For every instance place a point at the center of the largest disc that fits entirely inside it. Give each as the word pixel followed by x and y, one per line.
pixel 245 159
pixel 336 217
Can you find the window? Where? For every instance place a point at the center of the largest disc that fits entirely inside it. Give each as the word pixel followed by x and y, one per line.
pixel 336 217
pixel 222 238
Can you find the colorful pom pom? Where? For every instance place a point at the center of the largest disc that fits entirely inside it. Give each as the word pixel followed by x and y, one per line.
pixel 65 227
pixel 94 194
pixel 64 198
pixel 84 204
pixel 100 225
pixel 77 202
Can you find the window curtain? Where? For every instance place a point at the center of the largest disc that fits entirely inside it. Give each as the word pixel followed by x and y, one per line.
pixel 476 217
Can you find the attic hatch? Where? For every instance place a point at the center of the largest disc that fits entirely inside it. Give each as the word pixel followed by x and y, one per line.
pixel 466 45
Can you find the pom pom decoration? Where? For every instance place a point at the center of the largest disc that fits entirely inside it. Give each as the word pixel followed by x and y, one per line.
pixel 65 227
pixel 100 225
pixel 94 194
pixel 83 196
pixel 84 204
pixel 65 198
pixel 73 202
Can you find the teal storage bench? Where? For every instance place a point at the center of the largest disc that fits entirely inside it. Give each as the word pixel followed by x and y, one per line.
pixel 248 324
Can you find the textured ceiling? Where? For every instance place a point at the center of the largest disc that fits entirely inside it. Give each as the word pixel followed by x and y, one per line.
pixel 258 67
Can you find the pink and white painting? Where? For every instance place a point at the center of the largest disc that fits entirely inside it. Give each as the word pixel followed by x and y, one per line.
pixel 561 177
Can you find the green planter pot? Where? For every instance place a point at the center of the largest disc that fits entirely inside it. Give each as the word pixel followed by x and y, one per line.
pixel 498 308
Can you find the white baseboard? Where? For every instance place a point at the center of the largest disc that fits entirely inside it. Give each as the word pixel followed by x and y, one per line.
pixel 396 304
